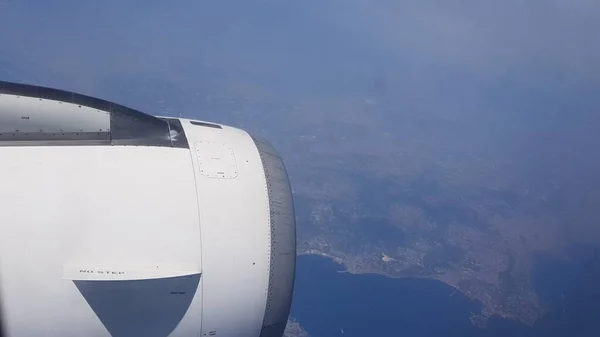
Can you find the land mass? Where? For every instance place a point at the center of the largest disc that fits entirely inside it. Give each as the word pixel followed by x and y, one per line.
pixel 436 204
pixel 480 240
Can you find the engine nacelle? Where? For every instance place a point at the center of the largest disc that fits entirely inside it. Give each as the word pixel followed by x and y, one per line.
pixel 118 223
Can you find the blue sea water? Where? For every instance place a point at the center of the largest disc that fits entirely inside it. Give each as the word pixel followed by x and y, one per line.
pixel 328 303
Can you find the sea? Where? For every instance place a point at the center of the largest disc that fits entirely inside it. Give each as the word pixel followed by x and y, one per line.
pixel 329 302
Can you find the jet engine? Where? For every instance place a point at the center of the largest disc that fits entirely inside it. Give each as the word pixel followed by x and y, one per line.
pixel 115 222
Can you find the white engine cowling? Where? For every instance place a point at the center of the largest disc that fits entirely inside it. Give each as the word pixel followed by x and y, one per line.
pixel 118 223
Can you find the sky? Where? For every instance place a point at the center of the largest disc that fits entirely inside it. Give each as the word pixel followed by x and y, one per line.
pixel 550 42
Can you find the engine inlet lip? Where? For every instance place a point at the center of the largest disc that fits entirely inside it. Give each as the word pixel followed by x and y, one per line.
pixel 282 269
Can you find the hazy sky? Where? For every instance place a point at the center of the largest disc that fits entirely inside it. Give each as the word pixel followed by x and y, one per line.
pixel 537 42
